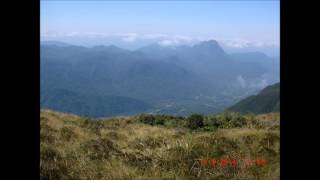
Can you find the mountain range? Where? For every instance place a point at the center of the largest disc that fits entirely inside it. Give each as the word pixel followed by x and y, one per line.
pixel 103 81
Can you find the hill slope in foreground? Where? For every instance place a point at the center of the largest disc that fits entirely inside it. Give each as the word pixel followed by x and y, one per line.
pixel 268 100
pixel 159 147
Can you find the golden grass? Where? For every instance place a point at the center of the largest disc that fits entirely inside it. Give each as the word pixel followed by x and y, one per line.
pixel 122 148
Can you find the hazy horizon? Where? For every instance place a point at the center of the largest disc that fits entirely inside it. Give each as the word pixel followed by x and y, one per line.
pixel 138 48
pixel 240 26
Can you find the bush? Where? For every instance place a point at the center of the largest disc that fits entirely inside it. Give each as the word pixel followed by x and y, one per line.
pixel 195 121
pixel 227 120
pixel 214 122
pixel 237 121
pixel 209 128
pixel 147 119
pixel 159 120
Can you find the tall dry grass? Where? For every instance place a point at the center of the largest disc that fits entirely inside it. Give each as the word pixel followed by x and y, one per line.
pixel 74 147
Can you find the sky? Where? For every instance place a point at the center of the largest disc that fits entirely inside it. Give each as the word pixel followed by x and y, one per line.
pixel 236 24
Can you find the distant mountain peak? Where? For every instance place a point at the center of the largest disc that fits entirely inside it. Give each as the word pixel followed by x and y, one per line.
pixel 211 46
pixel 210 42
pixel 109 48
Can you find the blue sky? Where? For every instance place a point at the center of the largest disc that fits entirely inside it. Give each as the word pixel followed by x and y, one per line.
pixel 243 22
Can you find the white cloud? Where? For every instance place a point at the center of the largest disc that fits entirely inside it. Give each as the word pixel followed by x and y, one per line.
pixel 71 34
pixel 168 42
pixel 243 43
pixel 129 38
pixel 163 39
pixel 242 82
pixel 155 36
pixel 256 83
pixel 184 38
pixel 263 83
pixel 236 44
pixel 51 34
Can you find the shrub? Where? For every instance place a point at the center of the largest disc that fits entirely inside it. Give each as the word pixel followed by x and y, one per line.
pixel 237 121
pixel 86 122
pixel 227 120
pixel 195 121
pixel 214 122
pixel 209 128
pixel 147 119
pixel 253 122
pixel 159 120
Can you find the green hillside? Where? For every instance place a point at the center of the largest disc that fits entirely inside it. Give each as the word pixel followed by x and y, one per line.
pixel 159 147
pixel 268 100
